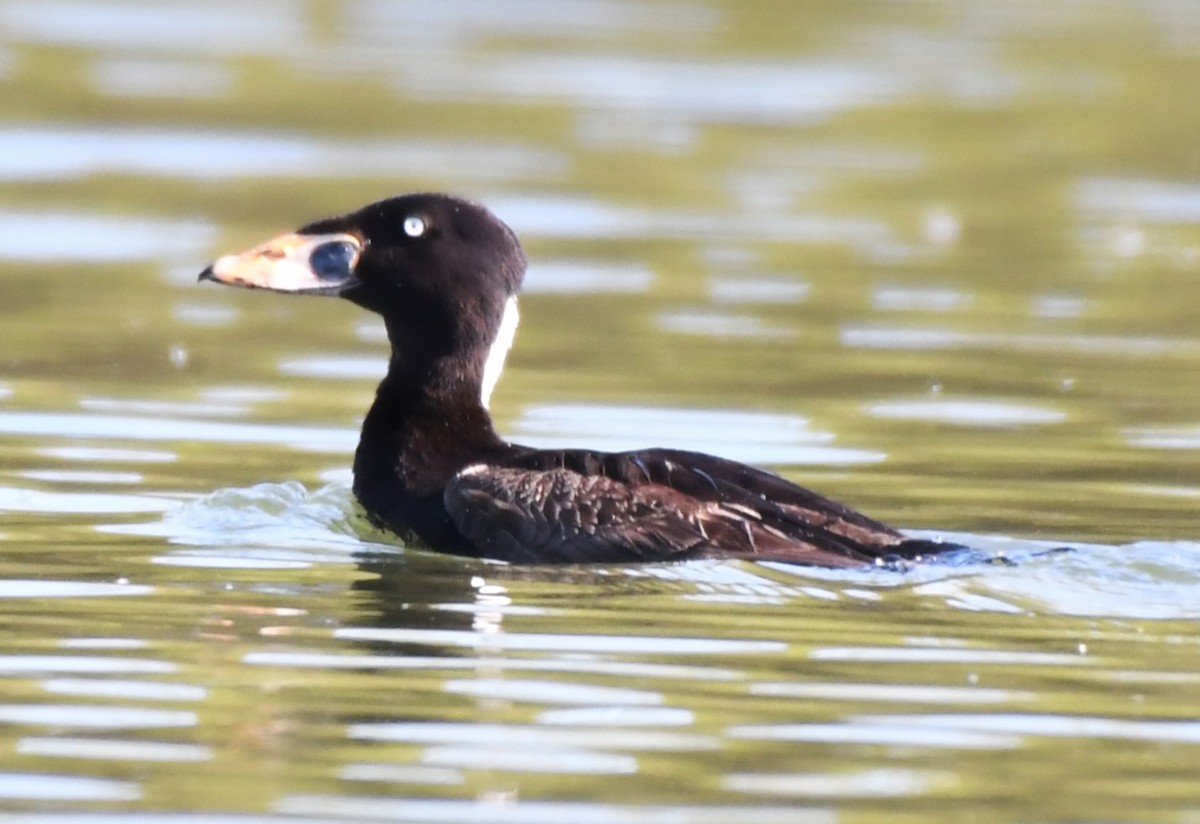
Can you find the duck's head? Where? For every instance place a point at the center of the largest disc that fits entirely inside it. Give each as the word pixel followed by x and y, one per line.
pixel 442 271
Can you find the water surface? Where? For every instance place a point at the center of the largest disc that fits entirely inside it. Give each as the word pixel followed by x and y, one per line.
pixel 934 259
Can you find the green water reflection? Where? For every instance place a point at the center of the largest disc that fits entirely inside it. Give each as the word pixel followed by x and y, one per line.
pixel 943 255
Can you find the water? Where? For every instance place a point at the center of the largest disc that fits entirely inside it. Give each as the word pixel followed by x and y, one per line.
pixel 934 259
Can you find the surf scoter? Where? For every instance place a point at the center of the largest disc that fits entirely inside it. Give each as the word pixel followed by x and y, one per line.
pixel 444 273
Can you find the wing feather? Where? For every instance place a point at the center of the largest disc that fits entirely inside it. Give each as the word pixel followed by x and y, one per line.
pixel 583 506
pixel 522 515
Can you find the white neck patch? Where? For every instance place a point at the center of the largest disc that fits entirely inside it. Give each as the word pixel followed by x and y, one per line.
pixel 500 346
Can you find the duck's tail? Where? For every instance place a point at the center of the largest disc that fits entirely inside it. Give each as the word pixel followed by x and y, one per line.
pixel 925 550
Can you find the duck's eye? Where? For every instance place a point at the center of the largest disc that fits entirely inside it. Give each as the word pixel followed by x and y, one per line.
pixel 414 226
pixel 331 261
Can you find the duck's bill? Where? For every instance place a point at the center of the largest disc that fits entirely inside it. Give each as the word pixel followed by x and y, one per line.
pixel 301 264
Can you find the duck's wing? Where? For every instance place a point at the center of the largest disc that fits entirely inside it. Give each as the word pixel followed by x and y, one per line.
pixel 578 506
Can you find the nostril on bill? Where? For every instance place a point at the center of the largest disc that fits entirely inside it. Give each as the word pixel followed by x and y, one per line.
pixel 332 261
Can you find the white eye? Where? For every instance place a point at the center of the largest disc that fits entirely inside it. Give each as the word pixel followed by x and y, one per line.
pixel 414 226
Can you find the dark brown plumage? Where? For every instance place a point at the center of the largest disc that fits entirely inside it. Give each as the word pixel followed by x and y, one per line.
pixel 444 273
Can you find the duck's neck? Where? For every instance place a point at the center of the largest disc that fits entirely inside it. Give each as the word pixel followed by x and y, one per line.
pixel 429 421
pixel 424 426
pixel 413 442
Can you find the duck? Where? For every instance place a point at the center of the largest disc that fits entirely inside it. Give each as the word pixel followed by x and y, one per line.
pixel 444 274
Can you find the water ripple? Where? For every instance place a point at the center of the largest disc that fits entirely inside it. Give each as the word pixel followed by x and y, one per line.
pixel 29 664
pixel 113 750
pixel 967 412
pixel 881 783
pixel 585 277
pixel 877 734
pixel 911 655
pixel 551 692
pixel 619 669
pixel 1149 200
pixel 1049 725
pixel 100 716
pixel 137 690
pixel 95 238
pixel 222 27
pixel 926 338
pixel 890 693
pixel 751 437
pixel 46 153
pixel 546 760
pixel 633 645
pixel 618 716
pixel 50 787
pixel 532 737
pixel 311 438
pixel 456 811
pixel 14 499
pixel 13 588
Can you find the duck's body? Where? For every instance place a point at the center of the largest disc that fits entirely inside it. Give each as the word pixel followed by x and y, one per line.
pixel 444 274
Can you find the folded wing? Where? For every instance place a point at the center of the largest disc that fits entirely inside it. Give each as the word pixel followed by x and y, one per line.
pixel 652 505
